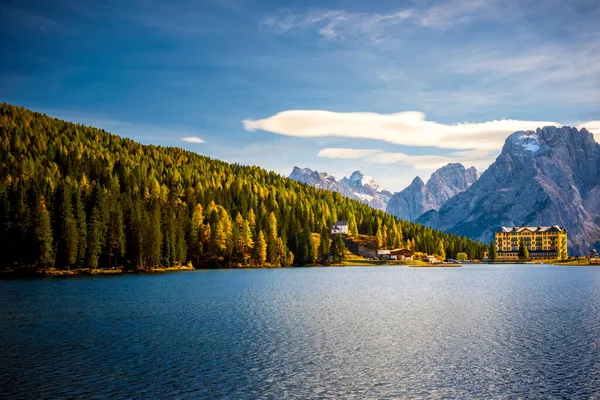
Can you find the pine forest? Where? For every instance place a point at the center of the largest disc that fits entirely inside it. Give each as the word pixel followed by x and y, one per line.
pixel 73 196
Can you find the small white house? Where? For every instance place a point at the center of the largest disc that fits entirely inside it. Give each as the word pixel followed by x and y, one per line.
pixel 340 227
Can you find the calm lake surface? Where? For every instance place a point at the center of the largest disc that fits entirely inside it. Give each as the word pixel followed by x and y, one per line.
pixel 377 332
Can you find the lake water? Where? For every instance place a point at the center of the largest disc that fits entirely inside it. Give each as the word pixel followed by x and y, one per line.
pixel 357 332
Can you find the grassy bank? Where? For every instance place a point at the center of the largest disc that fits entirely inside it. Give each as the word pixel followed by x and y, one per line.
pixel 575 262
pixel 362 262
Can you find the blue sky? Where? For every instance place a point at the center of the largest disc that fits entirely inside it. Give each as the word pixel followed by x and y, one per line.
pixel 378 86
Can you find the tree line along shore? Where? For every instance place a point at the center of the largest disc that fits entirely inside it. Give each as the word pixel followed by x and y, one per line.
pixel 77 197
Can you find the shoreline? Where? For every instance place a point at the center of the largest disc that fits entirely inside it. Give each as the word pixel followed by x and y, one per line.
pixel 32 272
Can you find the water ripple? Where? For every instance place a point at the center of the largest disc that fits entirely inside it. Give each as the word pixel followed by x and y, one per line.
pixel 483 332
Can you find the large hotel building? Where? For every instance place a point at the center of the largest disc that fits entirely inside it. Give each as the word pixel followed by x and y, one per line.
pixel 543 242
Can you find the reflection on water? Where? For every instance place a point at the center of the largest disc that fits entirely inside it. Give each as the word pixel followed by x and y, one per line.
pixel 377 332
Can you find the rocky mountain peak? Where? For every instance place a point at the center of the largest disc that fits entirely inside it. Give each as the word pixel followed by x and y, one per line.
pixel 358 179
pixel 420 197
pixel 550 176
pixel 358 186
pixel 417 182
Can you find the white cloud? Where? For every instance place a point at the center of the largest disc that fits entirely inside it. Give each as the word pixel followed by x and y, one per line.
pixel 408 128
pixel 421 162
pixel 348 153
pixel 193 139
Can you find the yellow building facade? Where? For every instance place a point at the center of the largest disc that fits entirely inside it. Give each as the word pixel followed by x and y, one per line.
pixel 543 242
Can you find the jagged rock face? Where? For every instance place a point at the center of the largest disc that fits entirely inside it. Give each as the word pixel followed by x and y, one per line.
pixel 320 180
pixel 547 177
pixel 358 186
pixel 419 197
pixel 450 180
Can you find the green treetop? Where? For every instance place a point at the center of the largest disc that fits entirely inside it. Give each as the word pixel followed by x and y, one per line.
pixel 523 251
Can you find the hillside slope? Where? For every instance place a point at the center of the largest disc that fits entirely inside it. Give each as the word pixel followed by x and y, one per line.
pixel 77 196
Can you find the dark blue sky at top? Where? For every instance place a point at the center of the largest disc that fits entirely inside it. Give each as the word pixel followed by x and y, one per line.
pixel 157 71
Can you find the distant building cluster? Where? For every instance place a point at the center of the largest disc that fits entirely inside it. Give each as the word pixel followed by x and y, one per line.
pixel 542 242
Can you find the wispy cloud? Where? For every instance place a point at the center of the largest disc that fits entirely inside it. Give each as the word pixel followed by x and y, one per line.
pixel 408 128
pixel 550 63
pixel 193 139
pixel 480 159
pixel 340 24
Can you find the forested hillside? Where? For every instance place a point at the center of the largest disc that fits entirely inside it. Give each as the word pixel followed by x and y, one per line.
pixel 75 196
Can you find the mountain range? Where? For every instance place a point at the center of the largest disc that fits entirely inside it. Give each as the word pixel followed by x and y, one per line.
pixel 419 197
pixel 408 204
pixel 358 187
pixel 550 176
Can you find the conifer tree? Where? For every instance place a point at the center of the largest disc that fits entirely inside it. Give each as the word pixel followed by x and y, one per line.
pixel 196 233
pixel 247 243
pixel 94 238
pixel 352 228
pixel 260 250
pixel 338 247
pixel 251 218
pixel 198 217
pixel 223 233
pixel 153 236
pixel 81 225
pixel 116 235
pixel 384 236
pixel 43 230
pixel 68 236
pixel 236 237
pixel 440 250
pixel 523 251
pixel 379 239
pixel 272 248
pixel 493 251
pixel 181 244
pixel 324 246
pixel 281 252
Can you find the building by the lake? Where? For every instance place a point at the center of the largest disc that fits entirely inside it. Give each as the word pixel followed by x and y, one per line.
pixel 340 227
pixel 543 242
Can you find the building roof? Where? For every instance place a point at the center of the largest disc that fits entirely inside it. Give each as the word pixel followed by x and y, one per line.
pixel 513 229
pixel 402 251
pixel 341 223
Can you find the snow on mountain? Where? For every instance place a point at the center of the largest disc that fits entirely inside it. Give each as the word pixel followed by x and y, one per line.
pixel 359 186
